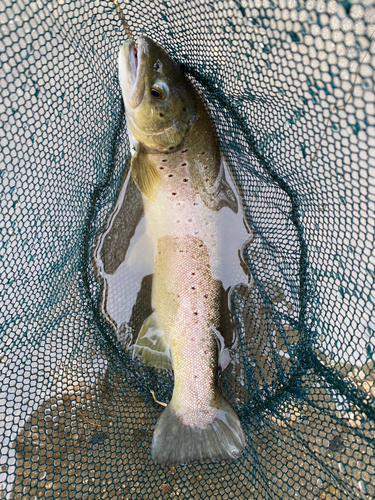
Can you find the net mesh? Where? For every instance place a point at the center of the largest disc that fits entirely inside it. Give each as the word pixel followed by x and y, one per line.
pixel 290 86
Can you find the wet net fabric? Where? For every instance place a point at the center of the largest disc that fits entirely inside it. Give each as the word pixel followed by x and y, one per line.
pixel 290 86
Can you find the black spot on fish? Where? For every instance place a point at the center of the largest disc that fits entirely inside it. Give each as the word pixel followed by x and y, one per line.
pixel 170 175
pixel 170 149
pixel 161 114
pixel 205 296
pixel 193 287
pixel 192 274
pixel 174 194
pixel 203 153
pixel 163 160
pixel 185 180
pixel 184 164
pixel 195 314
pixel 161 168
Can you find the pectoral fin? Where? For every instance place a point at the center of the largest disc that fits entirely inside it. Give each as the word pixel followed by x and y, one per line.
pixel 220 194
pixel 152 346
pixel 226 197
pixel 144 173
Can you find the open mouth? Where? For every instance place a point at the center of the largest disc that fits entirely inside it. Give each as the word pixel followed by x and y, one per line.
pixel 134 60
pixel 136 68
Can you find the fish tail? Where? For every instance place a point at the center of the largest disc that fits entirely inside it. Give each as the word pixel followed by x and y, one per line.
pixel 176 444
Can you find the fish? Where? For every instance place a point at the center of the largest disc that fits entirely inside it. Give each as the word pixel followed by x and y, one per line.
pixel 178 167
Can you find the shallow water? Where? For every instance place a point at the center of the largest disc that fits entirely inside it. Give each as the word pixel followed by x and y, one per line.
pixel 225 235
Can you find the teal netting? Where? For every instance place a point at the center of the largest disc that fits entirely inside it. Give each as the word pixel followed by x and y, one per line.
pixel 291 89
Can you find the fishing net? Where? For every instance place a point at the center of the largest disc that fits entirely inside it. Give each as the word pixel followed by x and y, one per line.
pixel 290 86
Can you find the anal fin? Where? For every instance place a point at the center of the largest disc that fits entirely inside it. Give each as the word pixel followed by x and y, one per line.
pixel 151 345
pixel 224 356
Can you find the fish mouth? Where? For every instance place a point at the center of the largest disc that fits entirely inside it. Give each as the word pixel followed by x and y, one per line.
pixel 137 57
pixel 134 63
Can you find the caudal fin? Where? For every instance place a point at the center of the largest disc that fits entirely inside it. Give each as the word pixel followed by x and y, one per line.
pixel 176 444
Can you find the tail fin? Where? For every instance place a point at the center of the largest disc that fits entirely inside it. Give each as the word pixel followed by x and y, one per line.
pixel 176 444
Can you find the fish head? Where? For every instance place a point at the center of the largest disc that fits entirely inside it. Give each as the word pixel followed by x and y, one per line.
pixel 159 100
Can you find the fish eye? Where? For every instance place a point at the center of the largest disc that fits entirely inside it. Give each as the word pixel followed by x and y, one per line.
pixel 159 90
pixel 155 93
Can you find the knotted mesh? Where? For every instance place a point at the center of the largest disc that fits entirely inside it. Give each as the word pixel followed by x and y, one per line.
pixel 290 86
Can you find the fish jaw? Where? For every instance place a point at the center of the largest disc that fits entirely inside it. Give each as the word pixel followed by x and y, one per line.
pixel 132 65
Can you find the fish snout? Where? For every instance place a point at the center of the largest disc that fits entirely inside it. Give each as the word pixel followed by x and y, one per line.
pixel 132 62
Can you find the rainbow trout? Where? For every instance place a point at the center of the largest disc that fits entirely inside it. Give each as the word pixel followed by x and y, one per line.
pixel 177 165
